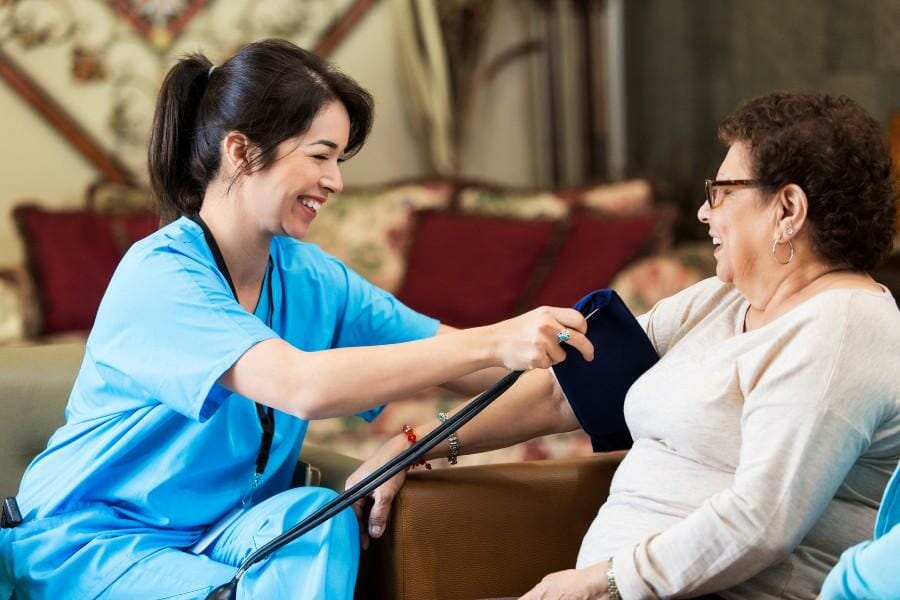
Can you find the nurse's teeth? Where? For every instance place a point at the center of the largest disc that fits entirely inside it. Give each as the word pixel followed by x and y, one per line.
pixel 311 204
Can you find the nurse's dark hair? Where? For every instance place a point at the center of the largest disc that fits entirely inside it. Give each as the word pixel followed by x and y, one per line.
pixel 270 91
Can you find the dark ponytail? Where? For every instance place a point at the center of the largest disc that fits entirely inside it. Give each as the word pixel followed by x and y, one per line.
pixel 176 182
pixel 270 91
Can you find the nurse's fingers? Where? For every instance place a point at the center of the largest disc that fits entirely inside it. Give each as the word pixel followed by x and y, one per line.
pixel 580 342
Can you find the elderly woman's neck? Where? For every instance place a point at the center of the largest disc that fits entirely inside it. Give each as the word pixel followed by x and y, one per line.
pixel 778 293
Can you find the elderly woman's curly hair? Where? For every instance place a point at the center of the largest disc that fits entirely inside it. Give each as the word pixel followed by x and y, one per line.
pixel 838 155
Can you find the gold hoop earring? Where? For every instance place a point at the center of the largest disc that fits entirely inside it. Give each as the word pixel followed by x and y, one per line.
pixel 790 258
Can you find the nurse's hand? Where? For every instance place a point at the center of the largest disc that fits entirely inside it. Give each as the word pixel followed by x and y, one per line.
pixel 373 522
pixel 532 340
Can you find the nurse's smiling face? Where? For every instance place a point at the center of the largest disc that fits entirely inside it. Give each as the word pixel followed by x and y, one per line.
pixel 284 198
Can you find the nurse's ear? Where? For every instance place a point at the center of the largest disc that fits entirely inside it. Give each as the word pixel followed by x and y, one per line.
pixel 236 153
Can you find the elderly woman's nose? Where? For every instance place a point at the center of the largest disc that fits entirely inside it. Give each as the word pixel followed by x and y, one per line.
pixel 703 212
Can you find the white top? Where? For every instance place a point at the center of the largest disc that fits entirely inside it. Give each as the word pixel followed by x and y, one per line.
pixel 758 457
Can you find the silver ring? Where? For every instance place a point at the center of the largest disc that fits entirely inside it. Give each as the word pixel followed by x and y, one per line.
pixel 564 336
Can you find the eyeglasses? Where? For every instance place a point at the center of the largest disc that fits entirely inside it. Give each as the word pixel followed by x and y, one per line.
pixel 712 185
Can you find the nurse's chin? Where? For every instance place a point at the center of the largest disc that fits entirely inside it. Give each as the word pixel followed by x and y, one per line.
pixel 295 229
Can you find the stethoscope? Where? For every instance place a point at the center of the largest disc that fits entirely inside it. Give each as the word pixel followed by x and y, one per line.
pixel 365 486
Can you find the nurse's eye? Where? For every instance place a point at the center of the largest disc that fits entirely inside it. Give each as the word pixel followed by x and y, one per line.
pixel 320 157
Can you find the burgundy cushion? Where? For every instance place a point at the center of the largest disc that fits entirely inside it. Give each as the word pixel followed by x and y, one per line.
pixel 594 249
pixel 135 226
pixel 72 255
pixel 471 270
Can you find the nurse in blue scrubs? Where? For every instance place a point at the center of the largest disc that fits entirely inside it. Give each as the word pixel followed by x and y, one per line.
pixel 218 338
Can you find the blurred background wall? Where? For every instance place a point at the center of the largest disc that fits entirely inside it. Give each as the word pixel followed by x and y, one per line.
pixel 686 63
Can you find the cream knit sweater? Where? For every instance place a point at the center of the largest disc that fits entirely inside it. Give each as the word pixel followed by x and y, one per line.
pixel 758 457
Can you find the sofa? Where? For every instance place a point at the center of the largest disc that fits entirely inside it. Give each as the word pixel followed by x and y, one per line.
pixel 466 252
pixel 454 533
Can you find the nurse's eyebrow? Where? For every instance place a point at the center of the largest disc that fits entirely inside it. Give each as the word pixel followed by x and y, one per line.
pixel 328 143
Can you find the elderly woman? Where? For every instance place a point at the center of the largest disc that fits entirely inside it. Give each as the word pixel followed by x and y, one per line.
pixel 765 434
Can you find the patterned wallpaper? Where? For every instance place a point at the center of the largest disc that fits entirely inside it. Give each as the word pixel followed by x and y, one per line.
pixel 102 60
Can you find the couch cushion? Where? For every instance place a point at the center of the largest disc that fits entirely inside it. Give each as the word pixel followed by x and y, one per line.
pixel 498 202
pixel 622 198
pixel 472 270
pixel 594 248
pixel 369 230
pixel 71 255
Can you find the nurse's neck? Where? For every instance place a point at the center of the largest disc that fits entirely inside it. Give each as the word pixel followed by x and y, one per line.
pixel 244 244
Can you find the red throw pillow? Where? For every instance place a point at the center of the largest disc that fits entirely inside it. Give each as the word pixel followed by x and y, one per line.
pixel 131 227
pixel 594 249
pixel 72 255
pixel 471 270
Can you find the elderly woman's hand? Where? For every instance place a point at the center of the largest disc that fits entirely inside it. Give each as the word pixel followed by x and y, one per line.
pixel 574 584
pixel 372 523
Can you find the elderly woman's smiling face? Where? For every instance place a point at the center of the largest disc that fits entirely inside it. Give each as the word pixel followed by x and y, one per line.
pixel 741 225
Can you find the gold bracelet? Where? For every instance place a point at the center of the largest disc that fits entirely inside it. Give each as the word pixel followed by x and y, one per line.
pixel 452 440
pixel 611 589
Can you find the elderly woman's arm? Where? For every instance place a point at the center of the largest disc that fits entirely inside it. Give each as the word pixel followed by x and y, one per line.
pixel 534 406
pixel 867 571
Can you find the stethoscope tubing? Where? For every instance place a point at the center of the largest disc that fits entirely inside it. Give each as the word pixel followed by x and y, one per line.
pixel 382 474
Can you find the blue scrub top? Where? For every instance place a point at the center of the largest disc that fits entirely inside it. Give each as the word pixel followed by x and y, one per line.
pixel 151 441
pixel 871 570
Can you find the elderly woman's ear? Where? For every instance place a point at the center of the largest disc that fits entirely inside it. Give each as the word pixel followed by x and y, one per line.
pixel 791 205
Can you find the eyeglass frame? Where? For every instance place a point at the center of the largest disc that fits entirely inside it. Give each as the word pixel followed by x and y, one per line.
pixel 710 184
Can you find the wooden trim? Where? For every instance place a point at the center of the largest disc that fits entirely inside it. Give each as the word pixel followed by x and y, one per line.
pixel 341 27
pixel 61 121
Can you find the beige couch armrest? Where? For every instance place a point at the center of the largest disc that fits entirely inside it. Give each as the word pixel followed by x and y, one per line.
pixel 485 531
pixel 35 383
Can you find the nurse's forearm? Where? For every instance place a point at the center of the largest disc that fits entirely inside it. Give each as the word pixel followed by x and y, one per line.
pixel 474 383
pixel 316 385
pixel 348 380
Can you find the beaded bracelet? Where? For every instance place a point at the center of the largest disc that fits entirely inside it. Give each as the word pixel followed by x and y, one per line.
pixel 452 440
pixel 411 436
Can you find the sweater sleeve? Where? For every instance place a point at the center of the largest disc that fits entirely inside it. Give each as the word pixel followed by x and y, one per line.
pixel 795 452
pixel 672 317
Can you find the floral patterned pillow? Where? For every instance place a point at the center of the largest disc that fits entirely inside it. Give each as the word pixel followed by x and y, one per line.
pixel 648 281
pixel 516 205
pixel 622 198
pixel 370 230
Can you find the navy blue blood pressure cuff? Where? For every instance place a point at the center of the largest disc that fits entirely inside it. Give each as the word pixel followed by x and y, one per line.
pixel 596 390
